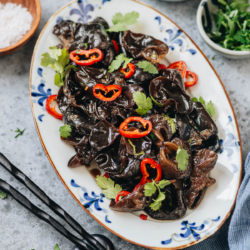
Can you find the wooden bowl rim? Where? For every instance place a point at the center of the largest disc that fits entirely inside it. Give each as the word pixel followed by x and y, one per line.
pixel 29 34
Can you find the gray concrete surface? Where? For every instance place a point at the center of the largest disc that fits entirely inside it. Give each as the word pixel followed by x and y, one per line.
pixel 20 230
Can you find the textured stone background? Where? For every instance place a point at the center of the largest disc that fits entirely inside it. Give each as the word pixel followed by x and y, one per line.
pixel 20 230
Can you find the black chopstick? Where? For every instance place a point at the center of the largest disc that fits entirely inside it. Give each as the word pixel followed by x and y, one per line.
pixel 19 175
pixel 5 187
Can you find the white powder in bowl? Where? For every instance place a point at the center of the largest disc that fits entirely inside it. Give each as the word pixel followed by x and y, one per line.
pixel 15 21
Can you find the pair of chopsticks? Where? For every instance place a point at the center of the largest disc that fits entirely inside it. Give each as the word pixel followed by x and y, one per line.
pixel 87 243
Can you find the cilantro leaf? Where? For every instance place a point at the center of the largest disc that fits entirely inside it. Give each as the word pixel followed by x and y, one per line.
pixel 2 195
pixel 108 186
pixel 148 67
pixel 157 203
pixel 171 123
pixel 116 64
pixel 56 247
pixel 57 59
pixel 182 158
pixel 149 189
pixel 209 107
pixel 20 132
pixel 144 104
pixel 134 148
pixel 65 131
pixel 156 103
pixel 120 22
pixel 163 183
pixel 57 80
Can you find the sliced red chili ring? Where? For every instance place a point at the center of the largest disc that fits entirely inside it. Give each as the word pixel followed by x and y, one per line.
pixel 145 174
pixel 116 47
pixel 161 66
pixel 194 79
pixel 94 55
pixel 52 110
pixel 180 66
pixel 135 133
pixel 128 71
pixel 117 90
pixel 121 194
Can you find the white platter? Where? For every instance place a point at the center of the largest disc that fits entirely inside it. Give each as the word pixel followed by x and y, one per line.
pixel 219 199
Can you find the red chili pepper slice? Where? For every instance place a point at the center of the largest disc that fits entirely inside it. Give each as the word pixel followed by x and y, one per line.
pixel 145 174
pixel 135 133
pixel 122 193
pixel 94 55
pixel 52 110
pixel 194 79
pixel 106 175
pixel 116 46
pixel 130 72
pixel 106 90
pixel 143 216
pixel 161 66
pixel 180 66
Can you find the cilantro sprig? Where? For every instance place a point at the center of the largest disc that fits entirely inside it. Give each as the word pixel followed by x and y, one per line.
pixel 108 186
pixel 209 107
pixel 65 131
pixel 121 22
pixel 134 148
pixel 19 132
pixel 117 63
pixel 57 59
pixel 232 25
pixel 2 195
pixel 171 123
pixel 182 158
pixel 144 104
pixel 148 67
pixel 151 187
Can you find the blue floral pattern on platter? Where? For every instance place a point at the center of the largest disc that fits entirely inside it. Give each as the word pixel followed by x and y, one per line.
pixel 191 231
pixel 92 201
pixel 175 37
pixel 231 142
pixel 83 11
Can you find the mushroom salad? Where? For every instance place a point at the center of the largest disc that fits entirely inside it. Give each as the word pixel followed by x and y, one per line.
pixel 130 113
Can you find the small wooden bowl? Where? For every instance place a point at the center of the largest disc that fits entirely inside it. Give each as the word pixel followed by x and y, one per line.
pixel 34 7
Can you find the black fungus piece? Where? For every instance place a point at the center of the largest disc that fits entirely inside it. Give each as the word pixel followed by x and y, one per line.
pixel 161 128
pixel 135 201
pixel 82 124
pixel 204 161
pixel 131 170
pixel 168 93
pixel 172 208
pixel 173 75
pixel 203 121
pixel 167 158
pixel 65 31
pixel 83 157
pixel 107 162
pixel 103 135
pixel 101 21
pixel 187 131
pixel 144 46
pixel 89 77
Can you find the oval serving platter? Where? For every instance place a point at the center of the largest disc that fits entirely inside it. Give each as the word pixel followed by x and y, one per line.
pixel 219 199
